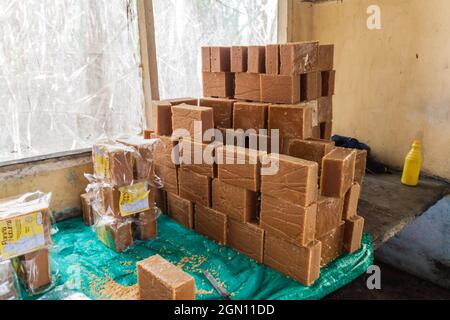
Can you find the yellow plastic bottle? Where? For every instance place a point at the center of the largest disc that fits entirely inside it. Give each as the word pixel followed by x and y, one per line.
pixel 413 165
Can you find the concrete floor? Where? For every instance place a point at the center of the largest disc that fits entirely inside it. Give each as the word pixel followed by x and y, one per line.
pixel 396 285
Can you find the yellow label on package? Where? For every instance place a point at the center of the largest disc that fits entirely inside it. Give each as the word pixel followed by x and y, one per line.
pixel 134 199
pixel 21 235
pixel 102 165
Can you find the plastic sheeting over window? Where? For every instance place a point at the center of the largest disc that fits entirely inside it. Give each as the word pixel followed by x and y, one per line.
pixel 183 26
pixel 69 74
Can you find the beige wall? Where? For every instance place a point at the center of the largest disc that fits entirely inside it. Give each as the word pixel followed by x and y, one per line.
pixel 393 84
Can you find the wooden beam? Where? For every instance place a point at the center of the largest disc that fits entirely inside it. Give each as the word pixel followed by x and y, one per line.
pixel 285 23
pixel 148 57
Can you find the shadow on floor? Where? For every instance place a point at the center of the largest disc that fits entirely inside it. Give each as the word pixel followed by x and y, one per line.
pixel 396 285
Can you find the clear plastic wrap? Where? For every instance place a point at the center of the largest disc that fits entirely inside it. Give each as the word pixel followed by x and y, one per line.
pixel 182 27
pixel 9 285
pixel 69 73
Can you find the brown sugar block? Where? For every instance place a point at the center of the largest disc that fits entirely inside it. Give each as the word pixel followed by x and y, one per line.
pixel 295 181
pixel 195 187
pixel 338 172
pixel 163 117
pixel 198 157
pixel 300 263
pixel 165 152
pixel 144 164
pixel 351 201
pixel 195 120
pixel 329 215
pixel 161 200
pixel 256 59
pixel 211 223
pixel 145 227
pixel 288 221
pixel 325 109
pixel 223 111
pixel 328 83
pixel 326 57
pixel 360 166
pixel 113 163
pixel 218 84
pixel 180 210
pixel 248 86
pixel 239 59
pixel 220 59
pixel 116 234
pixel 354 229
pixel 292 121
pixel 160 280
pixel 178 101
pixel 310 86
pixel 246 238
pixel 240 167
pixel 259 142
pixel 326 130
pixel 312 150
pixel 280 89
pixel 273 59
pixel 237 203
pixel 206 59
pixel 86 207
pixel 299 58
pixel 33 270
pixel 316 132
pixel 332 244
pixel 169 177
pixel 249 115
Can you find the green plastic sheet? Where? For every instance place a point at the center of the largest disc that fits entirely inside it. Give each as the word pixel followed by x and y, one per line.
pixel 84 263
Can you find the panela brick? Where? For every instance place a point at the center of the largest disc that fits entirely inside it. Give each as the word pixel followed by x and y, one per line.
pixel 310 86
pixel 239 167
pixel 260 142
pixel 292 121
pixel 338 172
pixel 239 59
pixel 299 263
pixel 145 226
pixel 325 109
pixel 288 220
pixel 86 207
pixel 256 59
pixel 169 177
pixel 246 238
pixel 178 101
pixel 273 59
pixel 237 203
pixel 312 150
pixel 196 120
pixel 211 223
pixel 161 200
pixel 326 130
pixel 220 59
pixel 248 115
pixel 218 84
pixel 280 89
pixel 116 234
pixel 206 59
pixel 351 201
pixel 195 187
pixel 295 181
pixel 198 157
pixel 316 132
pixel 180 210
pixel 326 57
pixel 299 58
pixel 163 116
pixel 33 269
pixel 360 166
pixel 354 229
pixel 222 109
pixel 329 215
pixel 160 280
pixel 113 163
pixel 332 244
pixel 248 86
pixel 165 152
pixel 328 82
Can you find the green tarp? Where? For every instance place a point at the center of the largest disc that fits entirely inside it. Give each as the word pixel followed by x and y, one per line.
pixel 84 263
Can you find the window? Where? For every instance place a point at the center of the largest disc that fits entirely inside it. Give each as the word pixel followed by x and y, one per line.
pixel 183 26
pixel 69 74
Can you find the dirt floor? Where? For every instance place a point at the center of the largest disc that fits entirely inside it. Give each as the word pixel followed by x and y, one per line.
pixel 396 285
